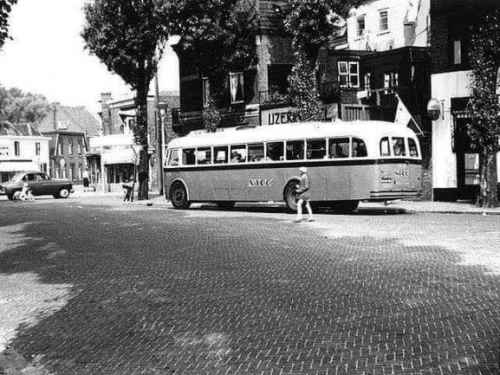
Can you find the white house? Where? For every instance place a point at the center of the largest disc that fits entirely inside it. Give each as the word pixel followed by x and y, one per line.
pixel 22 148
pixel 381 25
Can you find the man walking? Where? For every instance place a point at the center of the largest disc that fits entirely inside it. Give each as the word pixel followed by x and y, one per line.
pixel 303 194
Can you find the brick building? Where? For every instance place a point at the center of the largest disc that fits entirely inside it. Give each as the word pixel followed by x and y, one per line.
pixel 69 129
pixel 455 164
pixel 254 89
pixel 113 149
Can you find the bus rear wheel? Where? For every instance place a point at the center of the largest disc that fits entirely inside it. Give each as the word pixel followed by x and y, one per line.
pixel 290 195
pixel 178 196
pixel 345 206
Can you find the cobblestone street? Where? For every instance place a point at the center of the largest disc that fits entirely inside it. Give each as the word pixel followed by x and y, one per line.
pixel 100 287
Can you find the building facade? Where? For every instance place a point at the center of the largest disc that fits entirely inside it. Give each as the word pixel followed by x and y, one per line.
pixel 69 129
pixel 114 152
pixel 455 164
pixel 22 148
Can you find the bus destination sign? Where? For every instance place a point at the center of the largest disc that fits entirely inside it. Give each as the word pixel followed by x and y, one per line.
pixel 260 182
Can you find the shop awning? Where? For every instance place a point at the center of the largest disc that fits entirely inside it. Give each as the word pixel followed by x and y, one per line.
pixel 18 166
pixel 119 156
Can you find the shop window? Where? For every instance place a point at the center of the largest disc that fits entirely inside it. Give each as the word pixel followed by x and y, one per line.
pixel 17 148
pixel 359 148
pixel 398 146
pixel 412 146
pixel 256 152
pixel 385 150
pixel 339 148
pixel 237 87
pixel 220 155
pixel 295 150
pixel 204 155
pixel 277 75
pixel 316 149
pixel 238 154
pixel 383 20
pixel 188 156
pixel 348 74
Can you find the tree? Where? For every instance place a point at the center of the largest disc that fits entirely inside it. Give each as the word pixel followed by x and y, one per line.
pixel 17 106
pixel 129 37
pixel 310 23
pixel 5 8
pixel 216 36
pixel 484 105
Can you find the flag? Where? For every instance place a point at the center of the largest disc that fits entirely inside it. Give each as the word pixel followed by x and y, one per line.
pixel 403 117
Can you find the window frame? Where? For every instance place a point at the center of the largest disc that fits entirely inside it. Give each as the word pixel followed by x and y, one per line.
pixel 303 149
pixel 283 145
pixel 325 140
pixel 194 154
pixel 347 74
pixel 360 31
pixel 205 92
pixel 352 148
pixel 238 146
pixel 381 21
pixel 214 156
pixel 240 83
pixel 37 148
pixel 17 148
pixel 204 148
pixel 416 148
pixel 389 147
pixel 254 146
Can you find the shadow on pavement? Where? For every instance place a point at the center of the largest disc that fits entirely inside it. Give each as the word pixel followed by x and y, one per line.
pixel 185 297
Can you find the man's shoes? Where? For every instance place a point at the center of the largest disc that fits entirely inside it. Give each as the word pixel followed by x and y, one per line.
pixel 297 221
pixel 310 219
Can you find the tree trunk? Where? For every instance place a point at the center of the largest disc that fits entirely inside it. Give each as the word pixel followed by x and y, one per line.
pixel 488 195
pixel 141 139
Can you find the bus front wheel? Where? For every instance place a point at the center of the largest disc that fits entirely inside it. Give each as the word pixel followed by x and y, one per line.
pixel 291 196
pixel 178 196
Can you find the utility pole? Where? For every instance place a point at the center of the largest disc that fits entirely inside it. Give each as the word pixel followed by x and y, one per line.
pixel 159 132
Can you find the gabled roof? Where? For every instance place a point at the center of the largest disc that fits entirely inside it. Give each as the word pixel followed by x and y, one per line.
pixel 69 119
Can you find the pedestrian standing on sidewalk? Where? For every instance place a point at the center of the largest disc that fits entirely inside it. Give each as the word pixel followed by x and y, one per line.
pixel 303 195
pixel 86 178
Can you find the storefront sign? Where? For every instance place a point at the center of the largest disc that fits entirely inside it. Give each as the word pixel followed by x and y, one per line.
pixel 279 116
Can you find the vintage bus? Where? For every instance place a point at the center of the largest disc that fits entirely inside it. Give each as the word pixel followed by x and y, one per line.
pixel 347 162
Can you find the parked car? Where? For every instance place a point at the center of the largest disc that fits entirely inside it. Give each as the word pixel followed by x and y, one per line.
pixel 39 183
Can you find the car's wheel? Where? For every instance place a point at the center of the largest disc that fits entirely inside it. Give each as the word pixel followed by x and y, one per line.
pixel 63 193
pixel 345 206
pixel 290 195
pixel 178 196
pixel 226 204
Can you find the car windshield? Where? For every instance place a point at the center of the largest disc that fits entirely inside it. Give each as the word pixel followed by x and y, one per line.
pixel 17 177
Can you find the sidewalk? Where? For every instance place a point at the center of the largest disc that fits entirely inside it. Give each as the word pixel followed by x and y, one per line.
pixel 409 206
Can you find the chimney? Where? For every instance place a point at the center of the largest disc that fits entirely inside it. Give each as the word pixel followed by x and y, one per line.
pixel 106 97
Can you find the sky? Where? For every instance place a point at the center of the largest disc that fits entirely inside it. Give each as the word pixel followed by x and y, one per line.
pixel 47 56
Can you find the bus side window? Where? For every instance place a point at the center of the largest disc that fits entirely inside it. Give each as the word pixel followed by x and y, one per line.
pixel 188 157
pixel 204 155
pixel 174 158
pixel 220 155
pixel 339 148
pixel 256 152
pixel 295 150
pixel 274 151
pixel 238 154
pixel 398 145
pixel 359 148
pixel 384 147
pixel 412 145
pixel 316 149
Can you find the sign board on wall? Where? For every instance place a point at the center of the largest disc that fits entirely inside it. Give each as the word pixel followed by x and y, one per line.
pixel 4 150
pixel 278 116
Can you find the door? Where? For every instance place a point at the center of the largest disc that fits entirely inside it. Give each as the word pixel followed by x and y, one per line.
pixel 467 161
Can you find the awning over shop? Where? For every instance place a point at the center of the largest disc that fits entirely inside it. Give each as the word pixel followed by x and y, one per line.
pixel 18 166
pixel 119 156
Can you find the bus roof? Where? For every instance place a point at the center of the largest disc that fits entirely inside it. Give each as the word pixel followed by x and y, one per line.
pixel 294 131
